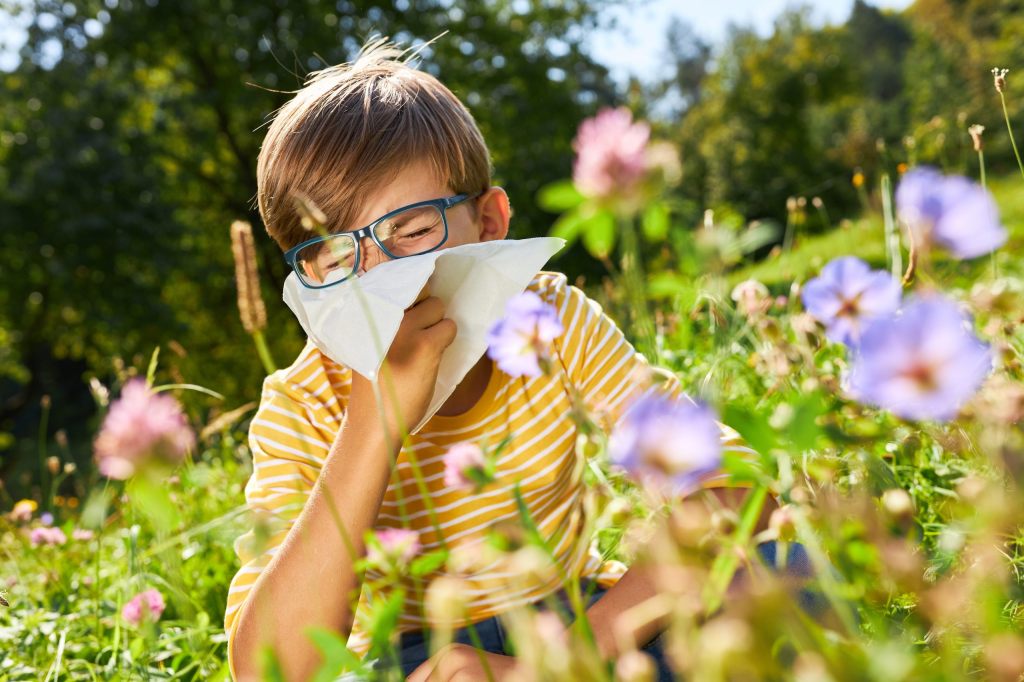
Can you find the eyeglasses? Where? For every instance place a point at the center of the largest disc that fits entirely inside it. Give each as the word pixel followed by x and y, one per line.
pixel 408 231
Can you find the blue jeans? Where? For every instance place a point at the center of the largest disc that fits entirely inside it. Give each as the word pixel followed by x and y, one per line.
pixel 413 648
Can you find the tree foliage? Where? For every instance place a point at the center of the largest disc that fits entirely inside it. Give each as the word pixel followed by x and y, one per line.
pixel 129 137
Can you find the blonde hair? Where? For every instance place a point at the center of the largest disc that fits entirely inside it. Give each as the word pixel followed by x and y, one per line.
pixel 352 128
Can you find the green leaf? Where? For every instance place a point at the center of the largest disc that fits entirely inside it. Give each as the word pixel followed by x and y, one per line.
pixel 568 227
pixel 338 658
pixel 599 234
pixel 422 565
pixel 153 500
pixel 151 372
pixel 669 284
pixel 803 429
pixel 94 512
pixel 655 221
pixel 726 563
pixel 754 428
pixel 559 196
pixel 383 620
pixel 189 387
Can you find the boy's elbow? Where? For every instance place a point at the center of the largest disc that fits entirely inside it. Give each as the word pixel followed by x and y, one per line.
pixel 241 660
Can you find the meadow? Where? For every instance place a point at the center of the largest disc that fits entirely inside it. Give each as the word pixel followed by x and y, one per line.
pixel 911 518
pixel 876 368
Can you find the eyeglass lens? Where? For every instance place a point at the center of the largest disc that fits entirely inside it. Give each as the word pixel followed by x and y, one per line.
pixel 411 232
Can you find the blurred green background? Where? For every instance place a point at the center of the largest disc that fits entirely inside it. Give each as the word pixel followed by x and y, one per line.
pixel 129 133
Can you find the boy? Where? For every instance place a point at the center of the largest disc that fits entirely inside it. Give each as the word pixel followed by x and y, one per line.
pixel 362 140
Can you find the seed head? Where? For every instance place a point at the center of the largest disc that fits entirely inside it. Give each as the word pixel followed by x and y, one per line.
pixel 313 219
pixel 999 75
pixel 250 302
pixel 976 131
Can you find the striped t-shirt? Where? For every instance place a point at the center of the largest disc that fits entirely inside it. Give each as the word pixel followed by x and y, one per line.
pixel 303 406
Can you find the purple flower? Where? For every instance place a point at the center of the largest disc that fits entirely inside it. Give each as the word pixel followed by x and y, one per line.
pixel 459 463
pixel 611 153
pixel 148 604
pixel 951 211
pixel 46 518
pixel 921 363
pixel 141 424
pixel 520 343
pixel 47 535
pixel 659 437
pixel 393 546
pixel 848 294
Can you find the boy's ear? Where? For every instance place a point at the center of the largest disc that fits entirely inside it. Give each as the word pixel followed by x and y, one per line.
pixel 494 213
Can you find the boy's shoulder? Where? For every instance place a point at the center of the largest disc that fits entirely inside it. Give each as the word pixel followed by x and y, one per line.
pixel 551 286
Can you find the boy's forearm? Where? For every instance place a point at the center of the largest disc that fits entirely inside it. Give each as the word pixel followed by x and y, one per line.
pixel 634 587
pixel 311 577
pixel 637 585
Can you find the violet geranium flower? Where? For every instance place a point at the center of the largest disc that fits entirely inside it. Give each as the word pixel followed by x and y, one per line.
pixel 921 363
pixel 611 153
pixel 145 605
pixel 520 342
pixel 847 295
pixel 659 438
pixel 141 424
pixel 951 211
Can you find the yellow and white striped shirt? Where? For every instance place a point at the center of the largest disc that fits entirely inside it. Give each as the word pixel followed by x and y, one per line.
pixel 303 406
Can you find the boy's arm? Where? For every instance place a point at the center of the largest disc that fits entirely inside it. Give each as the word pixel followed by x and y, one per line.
pixel 304 573
pixel 308 580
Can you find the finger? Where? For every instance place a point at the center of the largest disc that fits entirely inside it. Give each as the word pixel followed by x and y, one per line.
pixel 425 313
pixel 442 334
pixel 421 672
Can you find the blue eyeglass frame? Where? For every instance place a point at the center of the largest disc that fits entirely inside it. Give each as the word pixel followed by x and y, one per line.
pixel 443 204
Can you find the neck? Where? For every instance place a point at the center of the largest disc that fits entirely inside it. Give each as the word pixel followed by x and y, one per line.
pixel 469 390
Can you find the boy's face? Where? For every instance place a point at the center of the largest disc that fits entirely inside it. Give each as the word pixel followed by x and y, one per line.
pixel 418 183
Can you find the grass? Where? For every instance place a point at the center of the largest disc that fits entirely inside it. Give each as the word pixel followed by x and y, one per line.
pixel 864 238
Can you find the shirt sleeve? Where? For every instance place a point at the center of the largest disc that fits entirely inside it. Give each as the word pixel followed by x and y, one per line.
pixel 610 374
pixel 289 443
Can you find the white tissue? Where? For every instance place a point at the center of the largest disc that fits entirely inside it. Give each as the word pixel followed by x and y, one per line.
pixel 355 322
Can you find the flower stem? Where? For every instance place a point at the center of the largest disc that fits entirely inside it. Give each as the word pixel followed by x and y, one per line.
pixel 633 280
pixel 1009 129
pixel 984 185
pixel 892 236
pixel 264 352
pixel 43 420
pixel 908 276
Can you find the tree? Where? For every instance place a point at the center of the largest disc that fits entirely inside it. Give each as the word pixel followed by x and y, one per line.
pixel 126 157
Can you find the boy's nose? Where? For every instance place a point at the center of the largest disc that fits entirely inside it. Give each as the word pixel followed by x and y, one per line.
pixel 371 255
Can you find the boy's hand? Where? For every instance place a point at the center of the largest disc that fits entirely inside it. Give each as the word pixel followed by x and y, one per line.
pixel 410 368
pixel 461 663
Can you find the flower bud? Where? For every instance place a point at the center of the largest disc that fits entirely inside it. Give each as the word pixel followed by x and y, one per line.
pixel 975 132
pixel 634 666
pixel 999 76
pixel 446 601
pixel 782 524
pixel 52 465
pixel 897 503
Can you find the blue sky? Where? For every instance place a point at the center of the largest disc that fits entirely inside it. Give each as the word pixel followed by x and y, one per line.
pixel 635 48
